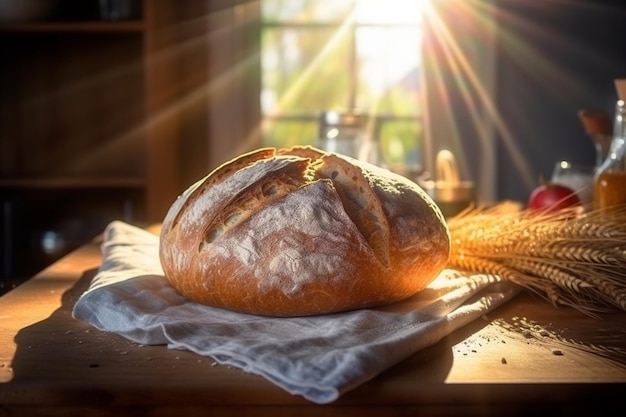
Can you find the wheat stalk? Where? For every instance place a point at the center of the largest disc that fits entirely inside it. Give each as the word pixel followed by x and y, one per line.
pixel 569 257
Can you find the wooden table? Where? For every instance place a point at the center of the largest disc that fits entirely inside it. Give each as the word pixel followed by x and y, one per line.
pixel 527 356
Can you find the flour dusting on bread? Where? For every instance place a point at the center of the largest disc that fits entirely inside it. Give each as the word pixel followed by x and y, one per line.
pixel 300 231
pixel 274 185
pixel 360 202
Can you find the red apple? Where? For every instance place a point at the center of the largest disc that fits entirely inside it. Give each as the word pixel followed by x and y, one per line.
pixel 551 197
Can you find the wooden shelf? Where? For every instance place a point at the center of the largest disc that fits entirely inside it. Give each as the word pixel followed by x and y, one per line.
pixel 95 26
pixel 87 134
pixel 69 182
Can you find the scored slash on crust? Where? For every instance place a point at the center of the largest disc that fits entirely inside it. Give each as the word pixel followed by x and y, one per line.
pixel 220 173
pixel 252 198
pixel 359 200
pixel 309 165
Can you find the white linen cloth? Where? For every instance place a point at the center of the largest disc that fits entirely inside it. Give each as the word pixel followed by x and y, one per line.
pixel 318 357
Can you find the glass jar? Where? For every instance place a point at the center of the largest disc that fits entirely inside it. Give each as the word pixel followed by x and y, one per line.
pixel 451 194
pixel 610 178
pixel 347 134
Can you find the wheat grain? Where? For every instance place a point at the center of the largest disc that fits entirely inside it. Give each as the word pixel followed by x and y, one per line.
pixel 567 257
pixel 558 275
pixel 571 250
pixel 607 290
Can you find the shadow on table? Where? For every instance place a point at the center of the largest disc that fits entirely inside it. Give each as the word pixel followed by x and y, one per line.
pixel 71 352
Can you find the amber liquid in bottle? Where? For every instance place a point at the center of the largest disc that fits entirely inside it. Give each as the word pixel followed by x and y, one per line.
pixel 610 182
pixel 610 189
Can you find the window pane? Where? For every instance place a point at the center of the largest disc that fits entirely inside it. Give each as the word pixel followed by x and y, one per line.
pixel 286 133
pixel 401 146
pixel 305 70
pixel 334 55
pixel 388 11
pixel 326 11
pixel 389 69
pixel 305 11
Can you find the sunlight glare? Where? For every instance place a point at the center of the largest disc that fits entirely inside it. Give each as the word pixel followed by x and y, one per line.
pixel 389 12
pixel 387 59
pixel 479 101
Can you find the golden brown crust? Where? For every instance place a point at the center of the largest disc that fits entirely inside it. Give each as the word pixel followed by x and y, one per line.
pixel 280 236
pixel 359 200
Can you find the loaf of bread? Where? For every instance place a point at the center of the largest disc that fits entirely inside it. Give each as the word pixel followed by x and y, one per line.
pixel 289 232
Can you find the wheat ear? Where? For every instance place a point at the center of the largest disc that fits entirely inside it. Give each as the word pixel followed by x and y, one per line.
pixel 569 257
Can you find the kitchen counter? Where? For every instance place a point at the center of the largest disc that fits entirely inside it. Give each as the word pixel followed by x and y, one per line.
pixel 526 356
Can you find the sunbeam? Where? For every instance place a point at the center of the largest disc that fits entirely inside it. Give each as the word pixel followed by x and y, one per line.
pixel 538 51
pixel 306 77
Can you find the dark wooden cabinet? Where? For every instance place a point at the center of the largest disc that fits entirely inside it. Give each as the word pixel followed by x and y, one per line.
pixel 89 125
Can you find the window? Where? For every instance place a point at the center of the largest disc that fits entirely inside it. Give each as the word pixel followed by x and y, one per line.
pixel 424 69
pixel 342 55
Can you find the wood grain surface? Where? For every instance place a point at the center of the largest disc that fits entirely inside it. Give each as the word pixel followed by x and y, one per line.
pixel 526 356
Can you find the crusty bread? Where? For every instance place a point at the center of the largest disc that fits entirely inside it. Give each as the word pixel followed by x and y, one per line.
pixel 299 231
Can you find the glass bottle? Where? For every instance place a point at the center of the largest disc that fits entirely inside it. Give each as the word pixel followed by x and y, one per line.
pixel 347 134
pixel 610 178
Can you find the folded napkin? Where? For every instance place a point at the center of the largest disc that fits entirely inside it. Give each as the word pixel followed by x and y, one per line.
pixel 318 357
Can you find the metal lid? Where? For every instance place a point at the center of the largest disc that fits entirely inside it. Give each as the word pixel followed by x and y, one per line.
pixel 448 187
pixel 441 191
pixel 335 118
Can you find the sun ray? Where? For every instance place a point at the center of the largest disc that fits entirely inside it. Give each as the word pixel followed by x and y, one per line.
pixel 309 71
pixel 475 94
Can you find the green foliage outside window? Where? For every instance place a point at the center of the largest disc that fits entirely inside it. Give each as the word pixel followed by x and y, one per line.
pixel 339 55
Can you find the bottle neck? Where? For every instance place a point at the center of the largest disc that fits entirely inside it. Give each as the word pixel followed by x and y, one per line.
pixel 615 160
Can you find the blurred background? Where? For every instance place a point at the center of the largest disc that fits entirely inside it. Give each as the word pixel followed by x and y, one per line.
pixel 109 109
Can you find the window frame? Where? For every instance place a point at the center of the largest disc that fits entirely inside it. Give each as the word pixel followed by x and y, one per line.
pixel 379 119
pixel 476 147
